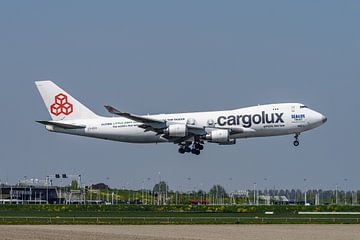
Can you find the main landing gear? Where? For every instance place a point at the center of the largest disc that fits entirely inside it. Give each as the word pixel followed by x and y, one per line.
pixel 195 149
pixel 296 142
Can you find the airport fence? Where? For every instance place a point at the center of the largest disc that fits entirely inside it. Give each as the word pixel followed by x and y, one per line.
pixel 180 208
pixel 179 220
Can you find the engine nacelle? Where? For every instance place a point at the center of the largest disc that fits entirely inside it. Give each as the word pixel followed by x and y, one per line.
pixel 230 142
pixel 221 136
pixel 176 130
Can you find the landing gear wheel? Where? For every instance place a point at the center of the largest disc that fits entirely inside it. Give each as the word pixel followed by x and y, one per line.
pixel 193 147
pixel 181 150
pixel 197 145
pixel 195 151
pixel 296 142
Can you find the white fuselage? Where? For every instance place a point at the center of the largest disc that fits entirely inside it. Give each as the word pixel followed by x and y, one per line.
pixel 261 121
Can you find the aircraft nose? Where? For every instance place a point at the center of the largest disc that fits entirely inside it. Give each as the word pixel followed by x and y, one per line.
pixel 324 119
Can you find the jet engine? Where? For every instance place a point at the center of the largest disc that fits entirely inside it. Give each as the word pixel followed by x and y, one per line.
pixel 221 136
pixel 230 142
pixel 176 130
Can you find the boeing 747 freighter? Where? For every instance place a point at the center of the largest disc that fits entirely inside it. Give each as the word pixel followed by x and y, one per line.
pixel 189 130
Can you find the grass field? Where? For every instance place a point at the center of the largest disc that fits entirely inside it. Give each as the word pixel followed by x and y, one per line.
pixel 82 214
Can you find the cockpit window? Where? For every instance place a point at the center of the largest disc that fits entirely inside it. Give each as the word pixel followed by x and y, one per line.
pixel 303 106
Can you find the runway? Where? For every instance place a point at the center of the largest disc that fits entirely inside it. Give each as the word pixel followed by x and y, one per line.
pixel 177 232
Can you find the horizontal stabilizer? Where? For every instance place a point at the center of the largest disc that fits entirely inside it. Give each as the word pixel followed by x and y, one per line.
pixel 62 125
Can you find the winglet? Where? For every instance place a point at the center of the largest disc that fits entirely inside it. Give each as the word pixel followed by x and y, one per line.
pixel 116 112
pixel 111 109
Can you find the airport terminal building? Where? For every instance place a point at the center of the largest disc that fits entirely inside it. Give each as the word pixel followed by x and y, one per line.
pixel 29 195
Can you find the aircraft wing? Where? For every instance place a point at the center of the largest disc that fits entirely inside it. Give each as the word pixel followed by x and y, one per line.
pixel 149 124
pixel 156 125
pixel 134 117
pixel 192 132
pixel 62 125
pixel 196 130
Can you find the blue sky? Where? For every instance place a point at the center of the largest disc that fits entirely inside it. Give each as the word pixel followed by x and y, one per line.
pixel 180 56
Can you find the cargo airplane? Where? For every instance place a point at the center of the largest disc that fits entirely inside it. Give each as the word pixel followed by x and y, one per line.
pixel 189 130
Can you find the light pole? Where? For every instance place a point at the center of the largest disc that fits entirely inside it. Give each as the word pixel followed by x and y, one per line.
pixel 128 190
pixel 305 200
pixel 180 194
pixel 47 189
pixel 230 180
pixel 254 193
pixel 188 192
pixel 345 180
pixel 216 196
pixel 267 196
pixel 148 195
pixel 176 196
pixel 336 195
pixel 202 193
pixel 91 192
pixel 107 194
pixel 159 193
pixel 142 191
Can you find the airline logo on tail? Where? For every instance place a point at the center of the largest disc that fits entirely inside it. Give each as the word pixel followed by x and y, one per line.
pixel 61 105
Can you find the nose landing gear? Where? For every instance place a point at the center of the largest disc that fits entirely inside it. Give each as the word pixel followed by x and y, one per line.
pixel 296 142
